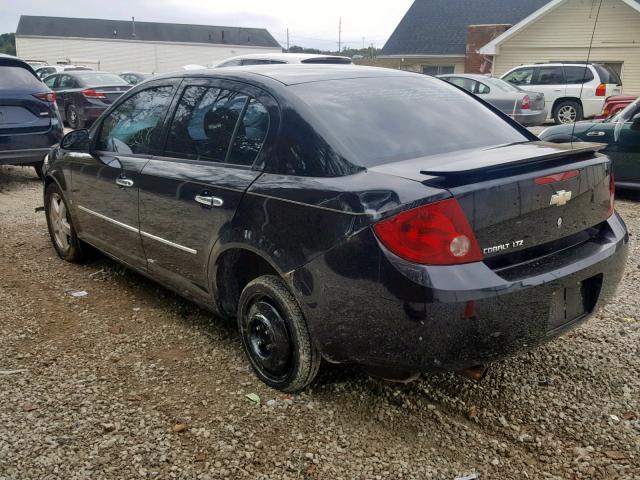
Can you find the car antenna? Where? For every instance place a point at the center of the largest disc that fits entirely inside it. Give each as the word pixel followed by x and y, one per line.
pixel 586 66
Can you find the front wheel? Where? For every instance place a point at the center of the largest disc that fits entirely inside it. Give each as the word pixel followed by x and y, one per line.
pixel 275 335
pixel 63 234
pixel 567 112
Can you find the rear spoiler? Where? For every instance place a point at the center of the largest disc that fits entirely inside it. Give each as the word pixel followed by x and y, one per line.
pixel 545 155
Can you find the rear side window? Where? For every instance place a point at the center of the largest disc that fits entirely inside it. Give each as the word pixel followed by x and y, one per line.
pixel 373 121
pixel 14 77
pixel 550 76
pixel 50 81
pixel 522 76
pixel 134 126
pixel 209 119
pixel 578 75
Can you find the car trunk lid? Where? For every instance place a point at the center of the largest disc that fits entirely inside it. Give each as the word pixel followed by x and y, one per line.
pixel 523 195
pixel 23 113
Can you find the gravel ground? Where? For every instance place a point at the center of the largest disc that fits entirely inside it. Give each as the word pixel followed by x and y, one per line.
pixel 133 382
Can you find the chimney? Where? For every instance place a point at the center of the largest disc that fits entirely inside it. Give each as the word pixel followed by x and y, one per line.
pixel 477 37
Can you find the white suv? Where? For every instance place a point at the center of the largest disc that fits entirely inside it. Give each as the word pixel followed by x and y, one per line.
pixel 572 91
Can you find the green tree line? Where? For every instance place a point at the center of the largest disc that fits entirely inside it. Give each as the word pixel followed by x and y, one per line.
pixel 8 43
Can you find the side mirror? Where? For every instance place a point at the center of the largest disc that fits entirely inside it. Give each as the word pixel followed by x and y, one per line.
pixel 77 140
pixel 635 123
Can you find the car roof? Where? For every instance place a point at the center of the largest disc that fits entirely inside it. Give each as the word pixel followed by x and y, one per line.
pixel 297 73
pixel 10 60
pixel 292 57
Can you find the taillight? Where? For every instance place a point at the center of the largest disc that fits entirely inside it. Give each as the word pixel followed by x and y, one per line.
pixel 526 103
pixel 46 97
pixel 601 91
pixel 612 195
pixel 435 234
pixel 91 93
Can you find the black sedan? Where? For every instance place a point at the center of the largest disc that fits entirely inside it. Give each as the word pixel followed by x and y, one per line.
pixel 621 134
pixel 82 96
pixel 29 120
pixel 354 214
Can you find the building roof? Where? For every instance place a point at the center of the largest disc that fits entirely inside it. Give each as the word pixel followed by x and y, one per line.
pixel 439 27
pixel 145 31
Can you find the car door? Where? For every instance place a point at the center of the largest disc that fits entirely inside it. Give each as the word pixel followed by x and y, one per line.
pixel 625 148
pixel 64 88
pixel 549 80
pixel 105 181
pixel 189 194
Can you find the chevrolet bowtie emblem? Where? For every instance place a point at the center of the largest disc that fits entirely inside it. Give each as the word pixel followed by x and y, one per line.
pixel 560 198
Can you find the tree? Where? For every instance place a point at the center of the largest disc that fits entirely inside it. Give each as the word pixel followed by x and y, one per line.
pixel 8 43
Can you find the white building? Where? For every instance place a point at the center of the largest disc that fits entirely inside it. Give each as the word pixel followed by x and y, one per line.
pixel 117 45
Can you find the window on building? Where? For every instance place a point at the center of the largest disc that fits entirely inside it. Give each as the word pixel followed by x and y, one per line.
pixel 435 70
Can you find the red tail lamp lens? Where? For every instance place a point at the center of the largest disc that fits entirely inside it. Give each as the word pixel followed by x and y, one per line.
pixel 91 93
pixel 49 97
pixel 526 103
pixel 601 91
pixel 435 234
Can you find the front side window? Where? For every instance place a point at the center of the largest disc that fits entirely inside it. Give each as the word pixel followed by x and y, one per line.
pixel 208 119
pixel 521 76
pixel 134 125
pixel 550 76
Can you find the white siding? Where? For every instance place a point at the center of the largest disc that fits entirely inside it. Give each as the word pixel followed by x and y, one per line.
pixel 121 55
pixel 565 34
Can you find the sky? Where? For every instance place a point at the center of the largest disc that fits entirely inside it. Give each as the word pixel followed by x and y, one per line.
pixel 310 23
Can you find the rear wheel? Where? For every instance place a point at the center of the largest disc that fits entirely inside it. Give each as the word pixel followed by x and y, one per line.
pixel 275 335
pixel 568 111
pixel 63 234
pixel 73 117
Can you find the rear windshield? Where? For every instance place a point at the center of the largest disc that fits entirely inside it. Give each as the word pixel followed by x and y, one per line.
pixel 608 74
pixel 386 119
pixel 92 79
pixel 12 77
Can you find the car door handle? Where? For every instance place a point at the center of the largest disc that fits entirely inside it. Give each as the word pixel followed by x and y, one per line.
pixel 209 201
pixel 124 182
pixel 596 134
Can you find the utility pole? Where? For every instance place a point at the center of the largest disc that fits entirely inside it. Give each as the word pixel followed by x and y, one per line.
pixel 287 40
pixel 340 36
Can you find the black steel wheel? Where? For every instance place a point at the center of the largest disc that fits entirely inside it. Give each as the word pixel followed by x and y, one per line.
pixel 275 335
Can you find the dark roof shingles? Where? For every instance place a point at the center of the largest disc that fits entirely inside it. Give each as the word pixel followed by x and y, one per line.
pixel 439 27
pixel 149 31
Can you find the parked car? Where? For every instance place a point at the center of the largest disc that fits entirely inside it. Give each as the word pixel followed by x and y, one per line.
pixel 572 91
pixel 29 120
pixel 621 133
pixel 82 96
pixel 282 58
pixel 613 105
pixel 356 214
pixel 133 78
pixel 46 70
pixel 526 108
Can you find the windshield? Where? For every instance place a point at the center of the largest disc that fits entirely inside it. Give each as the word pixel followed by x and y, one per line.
pixel 94 79
pixel 386 119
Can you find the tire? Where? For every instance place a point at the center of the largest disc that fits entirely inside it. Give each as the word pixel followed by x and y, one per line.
pixel 61 230
pixel 73 118
pixel 38 168
pixel 269 314
pixel 567 112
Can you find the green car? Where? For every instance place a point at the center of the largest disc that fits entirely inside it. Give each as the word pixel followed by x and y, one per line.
pixel 621 133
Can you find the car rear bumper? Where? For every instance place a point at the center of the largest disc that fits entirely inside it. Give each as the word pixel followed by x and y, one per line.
pixel 533 119
pixel 22 157
pixel 394 314
pixel 592 106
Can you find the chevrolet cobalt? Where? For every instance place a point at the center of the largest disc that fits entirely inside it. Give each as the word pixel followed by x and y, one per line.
pixel 354 214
